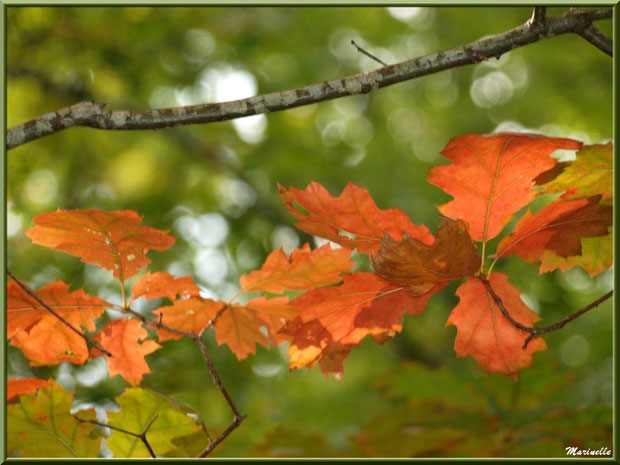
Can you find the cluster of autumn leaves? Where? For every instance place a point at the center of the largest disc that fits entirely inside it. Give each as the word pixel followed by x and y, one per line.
pixel 313 299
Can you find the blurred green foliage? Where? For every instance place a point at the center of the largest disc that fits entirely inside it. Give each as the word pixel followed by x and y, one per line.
pixel 215 187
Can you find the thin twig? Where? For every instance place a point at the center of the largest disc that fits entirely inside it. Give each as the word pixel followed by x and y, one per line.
pixel 535 332
pixel 212 321
pixel 89 114
pixel 369 55
pixel 141 436
pixel 31 293
pixel 238 417
pixel 539 17
pixel 597 38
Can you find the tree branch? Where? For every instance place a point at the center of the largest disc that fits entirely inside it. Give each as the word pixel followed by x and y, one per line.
pixel 141 436
pixel 32 294
pixel 594 35
pixel 218 382
pixel 539 17
pixel 535 332
pixel 89 114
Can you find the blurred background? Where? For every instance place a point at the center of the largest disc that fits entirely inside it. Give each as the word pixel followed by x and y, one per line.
pixel 215 187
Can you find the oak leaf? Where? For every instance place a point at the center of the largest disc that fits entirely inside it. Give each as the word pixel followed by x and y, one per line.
pixel 559 228
pixel 420 267
pixel 491 177
pixel 162 284
pixel 590 174
pixel 486 334
pixel 305 269
pixel 112 240
pixel 332 320
pixel 241 327
pixel 44 339
pixel 42 425
pixel 597 254
pixel 188 315
pixel 351 220
pixel 25 386
pixel 138 408
pixel 122 339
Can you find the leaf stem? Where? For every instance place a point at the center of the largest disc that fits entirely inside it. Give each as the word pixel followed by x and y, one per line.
pixel 32 294
pixel 536 332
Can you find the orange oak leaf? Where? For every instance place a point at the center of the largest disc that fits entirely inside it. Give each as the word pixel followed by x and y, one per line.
pixel 189 315
pixel 162 284
pixel 492 175
pixel 590 174
pixel 420 267
pixel 559 228
pixel 305 269
pixel 18 387
pixel 351 220
pixel 484 333
pixel 49 342
pixel 240 326
pixel 77 307
pixel 112 240
pixel 122 339
pixel 332 320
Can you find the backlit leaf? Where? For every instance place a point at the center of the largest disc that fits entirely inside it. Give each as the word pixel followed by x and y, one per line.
pixel 122 339
pixel 304 269
pixel 484 333
pixel 597 254
pixel 162 284
pixel 188 315
pixel 351 220
pixel 138 408
pixel 17 387
pixel 332 320
pixel 559 228
pixel 418 266
pixel 42 426
pixel 112 240
pixel 591 173
pixel 491 177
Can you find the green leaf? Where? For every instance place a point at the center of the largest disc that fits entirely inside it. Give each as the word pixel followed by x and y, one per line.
pixel 591 173
pixel 42 426
pixel 596 256
pixel 138 408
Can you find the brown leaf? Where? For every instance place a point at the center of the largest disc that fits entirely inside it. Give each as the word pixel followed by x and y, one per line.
pixel 419 266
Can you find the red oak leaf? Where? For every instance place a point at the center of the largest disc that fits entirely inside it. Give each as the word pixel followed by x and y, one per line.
pixel 112 240
pixel 486 334
pixel 351 220
pixel 189 315
pixel 77 307
pixel 162 284
pixel 305 269
pixel 492 175
pixel 18 387
pixel 420 267
pixel 122 339
pixel 240 326
pixel 559 228
pixel 332 320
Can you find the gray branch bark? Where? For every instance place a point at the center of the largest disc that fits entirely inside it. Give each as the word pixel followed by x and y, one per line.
pixel 89 114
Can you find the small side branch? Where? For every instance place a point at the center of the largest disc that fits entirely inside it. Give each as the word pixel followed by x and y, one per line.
pixel 31 293
pixel 369 55
pixel 539 17
pixel 238 417
pixel 141 436
pixel 535 332
pixel 601 41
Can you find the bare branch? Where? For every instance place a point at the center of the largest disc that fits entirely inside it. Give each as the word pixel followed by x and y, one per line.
pixel 141 436
pixel 238 417
pixel 535 332
pixel 31 293
pixel 369 55
pixel 89 114
pixel 539 17
pixel 601 41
